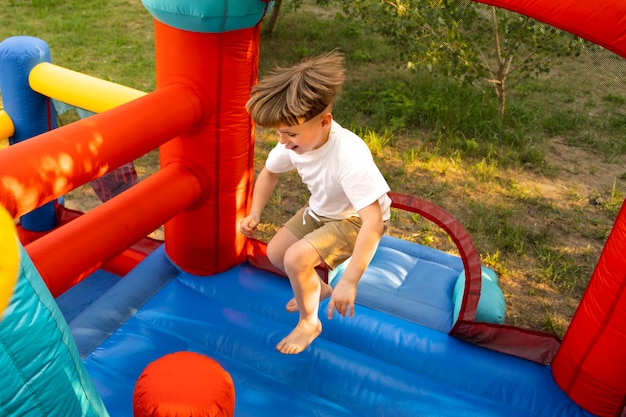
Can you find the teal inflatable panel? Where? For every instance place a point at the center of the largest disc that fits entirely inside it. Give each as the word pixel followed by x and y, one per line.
pixel 209 16
pixel 42 373
pixel 491 305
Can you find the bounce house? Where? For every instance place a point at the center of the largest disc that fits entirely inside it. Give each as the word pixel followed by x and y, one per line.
pixel 99 320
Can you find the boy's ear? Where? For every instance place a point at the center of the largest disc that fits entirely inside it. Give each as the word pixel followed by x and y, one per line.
pixel 326 119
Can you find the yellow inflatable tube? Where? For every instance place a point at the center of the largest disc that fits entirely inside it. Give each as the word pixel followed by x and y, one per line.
pixel 9 259
pixel 6 125
pixel 79 90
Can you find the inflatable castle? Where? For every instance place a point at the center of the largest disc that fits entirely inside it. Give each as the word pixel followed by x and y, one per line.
pixel 99 320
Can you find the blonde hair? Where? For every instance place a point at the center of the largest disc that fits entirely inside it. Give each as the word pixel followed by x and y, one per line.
pixel 293 95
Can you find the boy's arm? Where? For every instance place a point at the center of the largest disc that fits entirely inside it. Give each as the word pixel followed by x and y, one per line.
pixel 263 188
pixel 367 240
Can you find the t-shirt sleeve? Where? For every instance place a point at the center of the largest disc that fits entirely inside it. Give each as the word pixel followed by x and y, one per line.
pixel 361 179
pixel 278 161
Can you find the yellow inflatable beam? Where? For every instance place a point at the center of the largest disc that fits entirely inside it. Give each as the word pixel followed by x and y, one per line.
pixel 9 259
pixel 6 125
pixel 79 90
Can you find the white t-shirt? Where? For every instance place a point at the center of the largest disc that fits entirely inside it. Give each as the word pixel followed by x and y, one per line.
pixel 341 175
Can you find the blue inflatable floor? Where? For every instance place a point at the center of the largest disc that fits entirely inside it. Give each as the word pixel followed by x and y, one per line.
pixel 374 364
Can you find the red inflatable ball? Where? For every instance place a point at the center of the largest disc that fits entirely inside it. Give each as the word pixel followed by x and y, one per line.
pixel 184 384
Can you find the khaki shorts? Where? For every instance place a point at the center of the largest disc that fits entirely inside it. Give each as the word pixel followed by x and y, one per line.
pixel 332 239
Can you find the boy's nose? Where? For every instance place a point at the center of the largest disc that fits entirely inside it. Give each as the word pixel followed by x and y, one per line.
pixel 283 140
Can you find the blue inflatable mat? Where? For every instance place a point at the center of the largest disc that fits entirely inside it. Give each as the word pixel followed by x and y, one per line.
pixel 374 364
pixel 410 281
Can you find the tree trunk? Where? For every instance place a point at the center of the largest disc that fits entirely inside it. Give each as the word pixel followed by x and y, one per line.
pixel 501 91
pixel 503 66
pixel 271 21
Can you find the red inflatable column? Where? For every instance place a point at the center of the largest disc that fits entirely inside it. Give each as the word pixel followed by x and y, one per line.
pixel 590 365
pixel 221 67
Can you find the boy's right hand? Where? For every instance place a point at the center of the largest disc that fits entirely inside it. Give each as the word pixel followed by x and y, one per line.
pixel 249 224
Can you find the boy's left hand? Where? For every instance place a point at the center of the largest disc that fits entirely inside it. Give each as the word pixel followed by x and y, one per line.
pixel 342 299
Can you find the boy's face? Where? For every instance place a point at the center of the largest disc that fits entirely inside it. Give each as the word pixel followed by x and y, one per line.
pixel 307 136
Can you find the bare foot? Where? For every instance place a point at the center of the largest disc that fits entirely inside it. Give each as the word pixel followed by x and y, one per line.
pixel 300 337
pixel 292 305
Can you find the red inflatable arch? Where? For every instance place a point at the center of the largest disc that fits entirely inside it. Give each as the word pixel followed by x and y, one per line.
pixel 590 364
pixel 601 22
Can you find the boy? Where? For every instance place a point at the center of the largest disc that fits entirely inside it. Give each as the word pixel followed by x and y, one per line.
pixel 348 206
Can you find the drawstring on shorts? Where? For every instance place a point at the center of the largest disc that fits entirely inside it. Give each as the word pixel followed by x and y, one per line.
pixel 311 213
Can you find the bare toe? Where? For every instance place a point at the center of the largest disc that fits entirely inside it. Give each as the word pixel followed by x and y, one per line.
pixel 299 338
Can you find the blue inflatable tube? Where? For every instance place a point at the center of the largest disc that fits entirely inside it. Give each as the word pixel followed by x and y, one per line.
pixel 31 112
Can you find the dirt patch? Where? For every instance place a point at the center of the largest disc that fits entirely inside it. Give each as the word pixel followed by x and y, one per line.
pixel 581 190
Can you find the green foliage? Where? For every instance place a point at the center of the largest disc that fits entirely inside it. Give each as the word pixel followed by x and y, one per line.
pixel 457 117
pixel 377 142
pixel 463 39
pixel 295 4
pixel 425 32
pixel 614 99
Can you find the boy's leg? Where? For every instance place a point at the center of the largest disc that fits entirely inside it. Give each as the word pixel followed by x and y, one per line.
pixel 276 249
pixel 325 292
pixel 299 262
pixel 278 245
pixel 334 243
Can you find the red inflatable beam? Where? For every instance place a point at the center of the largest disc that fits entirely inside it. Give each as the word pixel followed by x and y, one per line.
pixel 70 253
pixel 41 169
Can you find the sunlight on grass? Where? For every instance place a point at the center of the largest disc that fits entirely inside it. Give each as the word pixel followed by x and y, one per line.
pixel 378 141
pixel 552 322
pixel 493 261
pixel 484 171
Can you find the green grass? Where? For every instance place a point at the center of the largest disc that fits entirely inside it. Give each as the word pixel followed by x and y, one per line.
pixel 432 136
pixel 110 39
